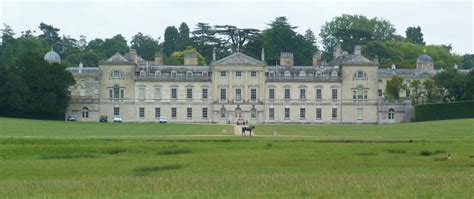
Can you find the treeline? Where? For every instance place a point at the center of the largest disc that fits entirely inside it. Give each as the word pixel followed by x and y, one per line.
pixel 376 35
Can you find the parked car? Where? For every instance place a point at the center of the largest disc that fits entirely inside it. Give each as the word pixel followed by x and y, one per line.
pixel 117 118
pixel 103 118
pixel 71 118
pixel 163 120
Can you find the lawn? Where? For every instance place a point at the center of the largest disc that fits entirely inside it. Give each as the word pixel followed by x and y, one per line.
pixel 50 161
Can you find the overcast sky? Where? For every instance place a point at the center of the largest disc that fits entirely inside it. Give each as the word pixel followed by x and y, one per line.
pixel 442 22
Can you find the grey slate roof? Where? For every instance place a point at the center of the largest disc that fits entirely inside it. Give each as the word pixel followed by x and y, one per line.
pixel 353 60
pixel 406 72
pixel 52 56
pixel 424 58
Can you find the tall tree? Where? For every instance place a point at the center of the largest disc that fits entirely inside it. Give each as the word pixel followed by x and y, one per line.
pixel 414 35
pixel 204 39
pixel 349 30
pixel 184 39
pixel 51 35
pixel 416 96
pixel 7 56
pixel 469 86
pixel 468 61
pixel 68 45
pixel 309 35
pixel 171 40
pixel 453 82
pixel 231 36
pixel 115 44
pixel 7 34
pixel 145 45
pixel 432 93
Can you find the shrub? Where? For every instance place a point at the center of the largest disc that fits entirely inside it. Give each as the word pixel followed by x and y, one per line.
pixel 426 153
pixel 396 151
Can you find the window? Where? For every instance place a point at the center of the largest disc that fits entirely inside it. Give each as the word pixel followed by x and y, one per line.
pixel 407 93
pixel 360 113
pixel 287 113
pixel 334 113
pixel 253 113
pixel 157 73
pixel 334 94
pixel 82 92
pixel 319 74
pixel 116 92
pixel 253 94
pixel 302 73
pixel 157 112
pixel 391 114
pixel 204 113
pixel 360 75
pixel 174 93
pixel 174 73
pixel 189 73
pixel 302 113
pixel 380 80
pixel 318 94
pixel 238 73
pixel 121 93
pixel 141 93
pixel 204 93
pixel 253 73
pixel 319 114
pixel 380 92
pixel 157 93
pixel 238 94
pixel 205 74
pixel 271 73
pixel 141 112
pixel 85 112
pixel 271 113
pixel 223 73
pixel 116 74
pixel 189 113
pixel 142 73
pixel 359 94
pixel 116 111
pixel 365 94
pixel 111 95
pixel 173 113
pixel 334 73
pixel 287 74
pixel 302 93
pixel 287 93
pixel 189 93
pixel 271 93
pixel 223 94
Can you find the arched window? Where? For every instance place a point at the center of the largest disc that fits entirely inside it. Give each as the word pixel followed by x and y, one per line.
pixel 302 73
pixel 116 74
pixel 142 73
pixel 391 114
pixel 271 73
pixel 222 112
pixel 85 112
pixel 334 74
pixel 204 74
pixel 174 73
pixel 287 73
pixel 157 73
pixel 319 74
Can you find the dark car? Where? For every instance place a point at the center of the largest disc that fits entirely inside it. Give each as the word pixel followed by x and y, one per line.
pixel 71 118
pixel 103 118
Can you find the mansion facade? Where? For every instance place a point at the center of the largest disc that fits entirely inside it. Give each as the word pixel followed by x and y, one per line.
pixel 348 89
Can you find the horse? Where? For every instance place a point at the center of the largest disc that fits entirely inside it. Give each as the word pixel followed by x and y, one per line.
pixel 247 128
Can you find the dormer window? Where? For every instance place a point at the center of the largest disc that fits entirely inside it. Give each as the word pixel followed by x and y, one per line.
pixel 142 73
pixel 116 74
pixel 204 74
pixel 157 73
pixel 334 73
pixel 189 73
pixel 271 73
pixel 174 74
pixel 302 73
pixel 287 74
pixel 319 74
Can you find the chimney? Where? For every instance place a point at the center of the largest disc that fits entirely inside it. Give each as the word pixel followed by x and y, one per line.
pixel 133 55
pixel 190 59
pixel 357 50
pixel 337 51
pixel 262 56
pixel 317 59
pixel 158 58
pixel 214 54
pixel 286 59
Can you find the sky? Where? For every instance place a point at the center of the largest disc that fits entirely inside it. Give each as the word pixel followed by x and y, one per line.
pixel 442 21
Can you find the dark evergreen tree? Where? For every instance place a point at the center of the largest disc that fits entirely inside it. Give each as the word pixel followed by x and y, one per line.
pixel 171 40
pixel 414 35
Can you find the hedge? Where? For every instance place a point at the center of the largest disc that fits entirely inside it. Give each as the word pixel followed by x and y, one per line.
pixel 444 111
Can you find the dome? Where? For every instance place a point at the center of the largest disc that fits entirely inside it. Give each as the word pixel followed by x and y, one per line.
pixel 52 56
pixel 424 58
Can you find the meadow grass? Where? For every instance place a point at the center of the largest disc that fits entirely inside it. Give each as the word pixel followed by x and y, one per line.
pixel 54 165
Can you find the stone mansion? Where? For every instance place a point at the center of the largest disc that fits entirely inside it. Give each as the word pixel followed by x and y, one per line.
pixel 348 89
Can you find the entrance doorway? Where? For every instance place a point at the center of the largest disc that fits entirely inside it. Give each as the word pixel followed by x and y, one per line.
pixel 238 113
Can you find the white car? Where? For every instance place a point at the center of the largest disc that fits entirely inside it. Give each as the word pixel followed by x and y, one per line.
pixel 163 120
pixel 117 119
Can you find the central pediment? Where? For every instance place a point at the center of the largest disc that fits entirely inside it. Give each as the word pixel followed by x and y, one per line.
pixel 238 59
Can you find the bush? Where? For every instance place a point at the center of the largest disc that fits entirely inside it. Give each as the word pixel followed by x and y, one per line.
pixel 115 151
pixel 426 153
pixel 396 151
pixel 443 111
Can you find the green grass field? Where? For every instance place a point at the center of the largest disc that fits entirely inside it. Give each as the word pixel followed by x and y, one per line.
pixel 53 159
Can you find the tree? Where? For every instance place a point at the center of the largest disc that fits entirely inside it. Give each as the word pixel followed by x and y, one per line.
pixel 177 57
pixel 145 45
pixel 416 96
pixel 432 94
pixel 204 39
pixel 115 44
pixel 469 86
pixel 183 39
pixel 453 82
pixel 51 35
pixel 349 30
pixel 171 40
pixel 7 34
pixel 393 87
pixel 7 56
pixel 231 36
pixel 468 61
pixel 68 45
pixel 13 90
pixel 309 35
pixel 87 58
pixel 414 35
